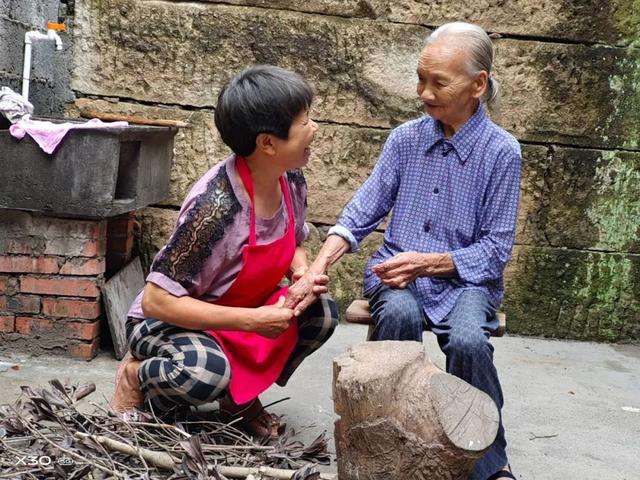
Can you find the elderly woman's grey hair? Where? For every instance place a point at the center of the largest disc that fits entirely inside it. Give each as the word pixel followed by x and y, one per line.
pixel 474 40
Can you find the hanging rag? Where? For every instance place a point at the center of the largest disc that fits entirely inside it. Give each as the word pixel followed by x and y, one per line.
pixel 48 135
pixel 14 106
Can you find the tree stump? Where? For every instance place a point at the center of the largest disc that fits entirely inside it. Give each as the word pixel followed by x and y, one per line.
pixel 401 417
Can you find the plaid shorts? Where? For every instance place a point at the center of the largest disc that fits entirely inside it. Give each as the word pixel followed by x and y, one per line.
pixel 183 367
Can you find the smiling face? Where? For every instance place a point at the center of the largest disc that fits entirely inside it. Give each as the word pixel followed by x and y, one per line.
pixel 294 152
pixel 445 87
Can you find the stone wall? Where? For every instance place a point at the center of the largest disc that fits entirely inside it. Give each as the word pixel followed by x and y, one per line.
pixel 570 72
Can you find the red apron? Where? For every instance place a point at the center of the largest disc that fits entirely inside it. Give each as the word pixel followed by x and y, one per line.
pixel 256 361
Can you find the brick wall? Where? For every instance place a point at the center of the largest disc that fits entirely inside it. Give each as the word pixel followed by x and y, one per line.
pixel 51 271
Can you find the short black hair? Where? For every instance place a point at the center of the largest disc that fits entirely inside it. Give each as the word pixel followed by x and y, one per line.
pixel 260 99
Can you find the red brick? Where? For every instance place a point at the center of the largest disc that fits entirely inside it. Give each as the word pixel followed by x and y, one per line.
pixel 3 302
pixel 8 285
pixel 70 287
pixel 82 330
pixel 7 323
pixel 122 245
pixel 85 350
pixel 25 264
pixel 94 248
pixel 23 304
pixel 26 246
pixel 70 308
pixel 83 266
pixel 29 325
pixel 121 227
pixel 99 230
pixel 53 227
pixel 75 247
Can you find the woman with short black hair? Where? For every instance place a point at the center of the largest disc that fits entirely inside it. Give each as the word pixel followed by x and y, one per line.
pixel 211 322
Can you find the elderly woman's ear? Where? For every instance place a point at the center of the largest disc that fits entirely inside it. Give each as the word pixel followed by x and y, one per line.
pixel 481 85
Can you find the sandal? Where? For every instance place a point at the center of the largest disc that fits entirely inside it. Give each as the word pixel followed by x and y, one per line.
pixel 504 473
pixel 254 419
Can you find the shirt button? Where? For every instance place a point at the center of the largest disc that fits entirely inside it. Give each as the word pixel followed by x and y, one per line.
pixel 435 190
pixel 427 227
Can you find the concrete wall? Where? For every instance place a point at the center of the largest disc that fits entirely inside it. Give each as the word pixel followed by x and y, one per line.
pixel 50 73
pixel 570 72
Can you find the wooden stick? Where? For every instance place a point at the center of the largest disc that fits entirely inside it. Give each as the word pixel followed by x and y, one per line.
pixel 279 473
pixel 157 459
pixel 114 117
pixel 167 462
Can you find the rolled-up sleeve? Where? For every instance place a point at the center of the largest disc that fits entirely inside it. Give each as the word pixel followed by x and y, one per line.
pixel 374 200
pixel 484 260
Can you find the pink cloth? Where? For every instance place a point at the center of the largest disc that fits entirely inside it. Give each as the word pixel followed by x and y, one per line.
pixel 49 135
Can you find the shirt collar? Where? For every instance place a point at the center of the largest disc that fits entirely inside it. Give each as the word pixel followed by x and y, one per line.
pixel 464 139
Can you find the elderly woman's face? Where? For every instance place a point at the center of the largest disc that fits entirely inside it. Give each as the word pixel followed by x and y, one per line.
pixel 444 86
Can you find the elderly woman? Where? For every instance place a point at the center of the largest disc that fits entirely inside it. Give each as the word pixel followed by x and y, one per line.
pixel 211 322
pixel 452 180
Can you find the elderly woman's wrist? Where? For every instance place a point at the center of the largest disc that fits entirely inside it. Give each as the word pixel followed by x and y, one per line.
pixel 298 271
pixel 436 265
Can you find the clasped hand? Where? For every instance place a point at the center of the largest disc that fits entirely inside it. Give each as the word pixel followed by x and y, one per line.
pixel 272 320
pixel 405 267
pixel 306 288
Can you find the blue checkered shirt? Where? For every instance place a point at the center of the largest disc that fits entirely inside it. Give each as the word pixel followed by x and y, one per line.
pixel 457 195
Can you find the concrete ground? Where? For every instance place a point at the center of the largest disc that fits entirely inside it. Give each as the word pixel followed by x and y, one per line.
pixel 572 408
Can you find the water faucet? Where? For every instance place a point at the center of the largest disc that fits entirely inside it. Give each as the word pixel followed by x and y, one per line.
pixel 29 38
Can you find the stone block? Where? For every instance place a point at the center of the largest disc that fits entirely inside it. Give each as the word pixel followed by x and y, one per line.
pixel 563 293
pixel 614 22
pixel 342 158
pixel 580 198
pixel 363 70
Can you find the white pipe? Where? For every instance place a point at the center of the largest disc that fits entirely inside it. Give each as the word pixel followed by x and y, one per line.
pixel 29 37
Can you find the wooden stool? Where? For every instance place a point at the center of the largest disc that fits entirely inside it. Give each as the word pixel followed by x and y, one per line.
pixel 358 312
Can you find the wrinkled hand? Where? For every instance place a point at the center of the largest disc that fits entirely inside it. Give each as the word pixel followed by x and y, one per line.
pixel 271 320
pixel 402 269
pixel 305 290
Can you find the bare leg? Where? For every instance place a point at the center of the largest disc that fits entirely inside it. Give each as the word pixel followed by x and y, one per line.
pixel 127 395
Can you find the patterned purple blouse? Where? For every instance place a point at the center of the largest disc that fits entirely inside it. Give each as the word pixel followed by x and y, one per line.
pixel 204 253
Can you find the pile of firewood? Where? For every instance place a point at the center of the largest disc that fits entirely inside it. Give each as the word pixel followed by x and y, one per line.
pixel 44 435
